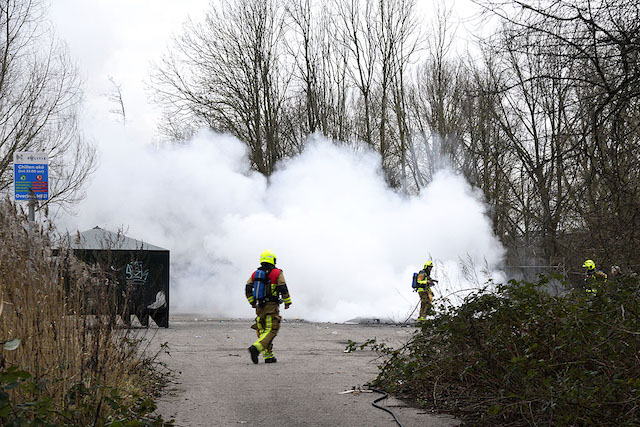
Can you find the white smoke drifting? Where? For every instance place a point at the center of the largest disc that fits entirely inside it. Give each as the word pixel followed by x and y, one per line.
pixel 347 244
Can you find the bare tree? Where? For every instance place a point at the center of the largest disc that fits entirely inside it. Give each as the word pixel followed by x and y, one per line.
pixel 436 99
pixel 319 86
pixel 357 34
pixel 409 41
pixel 576 65
pixel 227 74
pixel 488 163
pixel 534 116
pixel 39 96
pixel 307 51
pixel 380 38
pixel 398 39
pixel 115 96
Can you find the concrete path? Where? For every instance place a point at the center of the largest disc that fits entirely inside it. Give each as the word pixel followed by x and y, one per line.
pixel 216 384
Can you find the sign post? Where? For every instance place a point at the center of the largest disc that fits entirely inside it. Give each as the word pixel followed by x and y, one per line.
pixel 31 178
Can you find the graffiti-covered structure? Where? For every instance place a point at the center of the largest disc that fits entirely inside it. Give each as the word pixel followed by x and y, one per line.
pixel 141 271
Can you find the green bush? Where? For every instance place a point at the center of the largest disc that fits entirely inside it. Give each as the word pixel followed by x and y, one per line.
pixel 80 404
pixel 519 356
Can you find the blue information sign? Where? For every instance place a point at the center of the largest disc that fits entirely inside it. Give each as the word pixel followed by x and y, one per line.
pixel 31 175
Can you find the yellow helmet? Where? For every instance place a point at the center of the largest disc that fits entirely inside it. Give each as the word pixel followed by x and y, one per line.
pixel 268 256
pixel 589 264
pixel 428 264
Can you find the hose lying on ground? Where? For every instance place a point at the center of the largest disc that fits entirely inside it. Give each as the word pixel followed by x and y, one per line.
pixel 375 405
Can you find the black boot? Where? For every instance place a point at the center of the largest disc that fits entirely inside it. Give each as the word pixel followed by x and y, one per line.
pixel 253 351
pixel 270 360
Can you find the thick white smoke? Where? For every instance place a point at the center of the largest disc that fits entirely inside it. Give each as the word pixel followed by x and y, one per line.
pixel 347 244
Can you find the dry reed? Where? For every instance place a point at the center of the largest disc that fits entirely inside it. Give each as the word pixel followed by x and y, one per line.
pixel 78 362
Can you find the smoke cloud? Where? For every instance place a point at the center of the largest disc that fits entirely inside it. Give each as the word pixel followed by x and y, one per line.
pixel 347 244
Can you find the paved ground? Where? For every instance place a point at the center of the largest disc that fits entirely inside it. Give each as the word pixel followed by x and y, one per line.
pixel 216 384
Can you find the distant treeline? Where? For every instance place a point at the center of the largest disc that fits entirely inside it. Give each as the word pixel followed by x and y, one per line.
pixel 542 115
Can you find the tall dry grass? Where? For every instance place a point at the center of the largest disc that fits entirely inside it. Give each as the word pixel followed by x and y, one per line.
pixel 87 368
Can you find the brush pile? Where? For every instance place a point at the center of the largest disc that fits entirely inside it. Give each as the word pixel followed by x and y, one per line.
pixel 518 356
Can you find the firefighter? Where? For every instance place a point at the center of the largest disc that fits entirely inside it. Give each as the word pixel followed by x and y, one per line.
pixel 592 277
pixel 425 282
pixel 267 309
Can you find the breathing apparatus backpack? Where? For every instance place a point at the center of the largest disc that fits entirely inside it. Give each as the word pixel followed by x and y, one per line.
pixel 261 288
pixel 414 282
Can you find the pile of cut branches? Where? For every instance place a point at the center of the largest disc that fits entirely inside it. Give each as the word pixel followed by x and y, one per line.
pixel 516 355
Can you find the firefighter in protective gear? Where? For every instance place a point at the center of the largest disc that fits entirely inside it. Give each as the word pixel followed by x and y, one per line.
pixel 592 277
pixel 425 282
pixel 268 315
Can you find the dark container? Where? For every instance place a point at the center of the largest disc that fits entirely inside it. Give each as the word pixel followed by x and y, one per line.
pixel 139 270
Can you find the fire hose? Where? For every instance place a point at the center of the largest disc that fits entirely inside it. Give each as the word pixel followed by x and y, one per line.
pixel 375 404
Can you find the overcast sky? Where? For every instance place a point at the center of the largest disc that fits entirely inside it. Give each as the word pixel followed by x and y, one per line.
pixel 119 39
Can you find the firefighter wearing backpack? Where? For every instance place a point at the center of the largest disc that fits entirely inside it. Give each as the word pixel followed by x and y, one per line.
pixel 592 277
pixel 267 304
pixel 425 282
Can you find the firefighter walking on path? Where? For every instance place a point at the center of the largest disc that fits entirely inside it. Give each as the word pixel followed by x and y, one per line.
pixel 263 291
pixel 425 282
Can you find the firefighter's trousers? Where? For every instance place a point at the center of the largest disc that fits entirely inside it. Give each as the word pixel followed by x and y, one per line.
pixel 267 326
pixel 426 297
